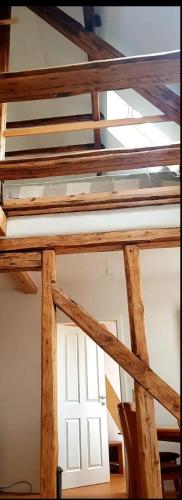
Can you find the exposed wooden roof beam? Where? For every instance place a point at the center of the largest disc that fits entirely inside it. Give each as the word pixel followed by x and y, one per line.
pixel 50 151
pixel 95 242
pixel 97 76
pixel 79 125
pixel 89 18
pixel 17 261
pixel 50 121
pixel 89 162
pixel 92 201
pixel 96 48
pixel 24 281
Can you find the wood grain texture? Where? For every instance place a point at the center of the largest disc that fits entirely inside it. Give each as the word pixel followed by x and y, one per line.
pixel 56 120
pixel 49 440
pixel 118 351
pixel 81 125
pixel 149 462
pixel 95 242
pixel 112 401
pixel 49 151
pixel 97 76
pixel 24 281
pixel 15 261
pixel 93 201
pixel 3 223
pixel 90 162
pixel 5 12
pixel 98 49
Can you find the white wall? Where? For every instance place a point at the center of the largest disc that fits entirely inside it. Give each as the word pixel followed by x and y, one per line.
pixel 19 386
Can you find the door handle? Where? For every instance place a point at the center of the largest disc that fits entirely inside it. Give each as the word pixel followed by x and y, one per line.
pixel 102 400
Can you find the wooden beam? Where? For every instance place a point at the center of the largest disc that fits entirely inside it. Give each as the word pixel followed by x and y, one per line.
pixel 112 401
pixel 93 201
pixel 5 12
pixel 8 22
pixel 56 120
pixel 3 223
pixel 89 18
pixel 24 281
pixel 95 242
pixel 90 161
pixel 81 125
pixel 50 151
pixel 15 261
pixel 164 99
pixel 97 76
pixel 49 451
pixel 149 461
pixel 97 49
pixel 118 351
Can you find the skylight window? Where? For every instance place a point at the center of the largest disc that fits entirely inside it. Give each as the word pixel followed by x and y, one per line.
pixel 146 134
pixel 143 135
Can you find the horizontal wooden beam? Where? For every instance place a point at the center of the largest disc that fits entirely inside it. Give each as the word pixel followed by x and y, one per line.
pixel 90 161
pixel 24 282
pixel 28 261
pixel 7 22
pixel 56 120
pixel 95 242
pixel 82 125
pixel 92 201
pixel 137 368
pixel 97 49
pixel 3 223
pixel 97 76
pixel 50 151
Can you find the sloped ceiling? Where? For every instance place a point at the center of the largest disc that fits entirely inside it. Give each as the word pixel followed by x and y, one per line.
pixel 34 44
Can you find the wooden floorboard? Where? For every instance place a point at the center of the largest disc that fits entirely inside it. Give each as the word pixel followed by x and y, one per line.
pixel 115 489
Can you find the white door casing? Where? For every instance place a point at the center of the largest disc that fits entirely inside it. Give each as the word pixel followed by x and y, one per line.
pixel 82 412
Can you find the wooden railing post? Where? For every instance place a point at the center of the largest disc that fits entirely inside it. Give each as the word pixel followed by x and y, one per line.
pixel 48 380
pixel 149 462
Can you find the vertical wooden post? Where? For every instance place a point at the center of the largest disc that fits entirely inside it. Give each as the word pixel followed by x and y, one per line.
pixel 48 378
pixel 5 13
pixel 150 475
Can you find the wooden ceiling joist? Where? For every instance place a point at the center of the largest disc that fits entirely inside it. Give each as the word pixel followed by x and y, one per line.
pixel 44 128
pixel 97 49
pixel 92 201
pixel 50 151
pixel 24 282
pixel 14 261
pixel 137 368
pixel 90 161
pixel 94 242
pixel 99 76
pixel 56 120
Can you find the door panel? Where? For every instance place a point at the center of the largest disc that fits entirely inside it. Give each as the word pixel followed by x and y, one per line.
pixel 82 412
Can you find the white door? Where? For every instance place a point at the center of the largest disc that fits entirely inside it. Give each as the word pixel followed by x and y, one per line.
pixel 82 412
